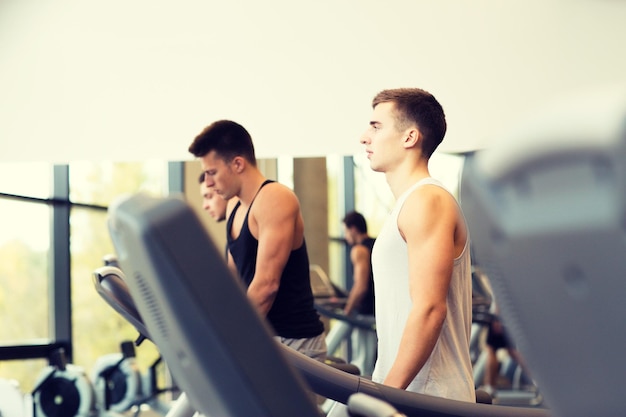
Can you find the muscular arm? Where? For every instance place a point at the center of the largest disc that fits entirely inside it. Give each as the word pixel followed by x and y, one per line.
pixel 360 258
pixel 427 223
pixel 275 223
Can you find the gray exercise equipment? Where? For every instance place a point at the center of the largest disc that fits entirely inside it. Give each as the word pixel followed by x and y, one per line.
pixel 167 253
pixel 546 207
pixel 109 283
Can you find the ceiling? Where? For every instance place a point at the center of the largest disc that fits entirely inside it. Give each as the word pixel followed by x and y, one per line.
pixel 138 80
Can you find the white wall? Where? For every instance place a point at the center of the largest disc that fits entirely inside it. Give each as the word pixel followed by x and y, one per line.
pixel 136 79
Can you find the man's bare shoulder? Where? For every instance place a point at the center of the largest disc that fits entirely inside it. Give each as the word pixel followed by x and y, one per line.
pixel 360 248
pixel 275 198
pixel 430 196
pixel 276 190
pixel 425 207
pixel 360 251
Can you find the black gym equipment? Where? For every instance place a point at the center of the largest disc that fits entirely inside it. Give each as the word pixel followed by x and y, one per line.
pixel 329 301
pixel 195 310
pixel 63 390
pixel 15 403
pixel 117 380
pixel 334 312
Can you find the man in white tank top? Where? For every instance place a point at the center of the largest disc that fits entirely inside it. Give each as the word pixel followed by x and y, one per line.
pixel 421 259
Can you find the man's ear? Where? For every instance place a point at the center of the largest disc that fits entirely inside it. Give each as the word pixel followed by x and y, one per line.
pixel 238 163
pixel 412 138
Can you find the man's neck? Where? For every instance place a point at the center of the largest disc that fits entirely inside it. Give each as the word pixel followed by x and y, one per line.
pixel 361 238
pixel 250 185
pixel 401 179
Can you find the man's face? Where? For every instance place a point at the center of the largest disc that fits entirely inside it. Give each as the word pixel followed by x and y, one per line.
pixel 382 140
pixel 349 234
pixel 213 203
pixel 218 175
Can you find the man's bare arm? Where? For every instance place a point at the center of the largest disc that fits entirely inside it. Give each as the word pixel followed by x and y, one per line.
pixel 276 214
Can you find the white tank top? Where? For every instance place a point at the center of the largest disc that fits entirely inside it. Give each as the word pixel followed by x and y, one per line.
pixel 448 371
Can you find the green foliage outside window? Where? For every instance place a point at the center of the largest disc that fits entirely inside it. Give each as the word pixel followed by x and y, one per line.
pixel 24 265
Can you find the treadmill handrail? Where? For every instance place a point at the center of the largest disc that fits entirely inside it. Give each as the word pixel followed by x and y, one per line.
pixel 367 322
pixel 338 385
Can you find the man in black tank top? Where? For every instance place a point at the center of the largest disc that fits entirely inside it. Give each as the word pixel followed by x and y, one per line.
pixel 265 234
pixel 360 298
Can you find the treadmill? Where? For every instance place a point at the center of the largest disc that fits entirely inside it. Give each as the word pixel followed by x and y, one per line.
pixel 194 308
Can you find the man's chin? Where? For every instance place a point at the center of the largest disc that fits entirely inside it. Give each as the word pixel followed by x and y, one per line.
pixel 375 167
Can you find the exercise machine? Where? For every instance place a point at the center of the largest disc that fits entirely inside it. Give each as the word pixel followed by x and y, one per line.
pixel 519 389
pixel 546 207
pixel 63 389
pixel 117 380
pixel 109 283
pixel 166 255
pixel 330 301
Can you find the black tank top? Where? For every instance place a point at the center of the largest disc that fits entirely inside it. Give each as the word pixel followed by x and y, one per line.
pixel 367 305
pixel 293 313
